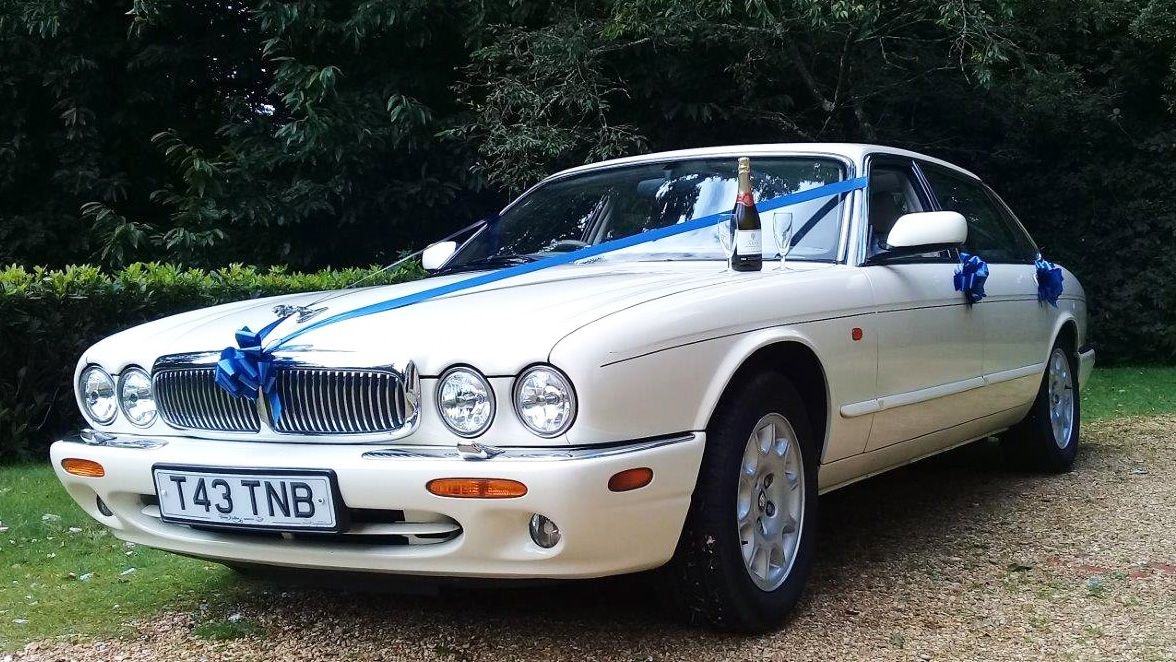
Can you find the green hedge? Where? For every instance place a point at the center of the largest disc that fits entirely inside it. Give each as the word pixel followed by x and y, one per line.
pixel 48 318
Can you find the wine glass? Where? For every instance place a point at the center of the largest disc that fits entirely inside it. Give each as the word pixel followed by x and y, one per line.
pixel 725 229
pixel 782 232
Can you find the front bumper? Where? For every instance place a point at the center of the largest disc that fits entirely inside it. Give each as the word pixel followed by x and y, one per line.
pixel 603 532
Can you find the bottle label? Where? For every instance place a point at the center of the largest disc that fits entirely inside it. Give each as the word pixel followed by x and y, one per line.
pixel 749 242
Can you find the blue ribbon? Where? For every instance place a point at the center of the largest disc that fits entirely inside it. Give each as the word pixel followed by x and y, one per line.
pixel 970 277
pixel 246 369
pixel 1049 281
pixel 573 256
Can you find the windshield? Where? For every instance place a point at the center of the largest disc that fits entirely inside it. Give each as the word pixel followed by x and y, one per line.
pixel 588 209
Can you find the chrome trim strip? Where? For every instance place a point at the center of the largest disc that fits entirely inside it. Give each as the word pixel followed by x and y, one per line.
pixel 943 390
pixel 910 397
pixel 1016 373
pixel 534 453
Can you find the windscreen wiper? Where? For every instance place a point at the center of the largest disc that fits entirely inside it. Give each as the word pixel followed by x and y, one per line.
pixel 490 262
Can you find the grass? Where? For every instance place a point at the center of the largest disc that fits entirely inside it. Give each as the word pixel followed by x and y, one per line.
pixel 61 573
pixel 227 630
pixel 1114 392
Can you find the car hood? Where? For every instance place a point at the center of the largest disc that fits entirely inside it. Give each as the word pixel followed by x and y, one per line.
pixel 501 327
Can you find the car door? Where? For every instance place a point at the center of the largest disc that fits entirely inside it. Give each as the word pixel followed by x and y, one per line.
pixel 930 341
pixel 1016 326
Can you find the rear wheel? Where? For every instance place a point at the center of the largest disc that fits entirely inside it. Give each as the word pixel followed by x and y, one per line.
pixel 1047 440
pixel 745 551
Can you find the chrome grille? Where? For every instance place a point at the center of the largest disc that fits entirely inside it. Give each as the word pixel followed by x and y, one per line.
pixel 190 398
pixel 340 401
pixel 314 401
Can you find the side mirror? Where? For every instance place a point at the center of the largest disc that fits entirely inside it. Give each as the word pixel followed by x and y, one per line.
pixel 924 232
pixel 436 255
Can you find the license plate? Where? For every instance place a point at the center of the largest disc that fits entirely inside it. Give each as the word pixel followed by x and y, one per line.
pixel 254 499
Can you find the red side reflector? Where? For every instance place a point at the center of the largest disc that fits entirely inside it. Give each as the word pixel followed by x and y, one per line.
pixel 83 468
pixel 630 479
pixel 856 334
pixel 476 488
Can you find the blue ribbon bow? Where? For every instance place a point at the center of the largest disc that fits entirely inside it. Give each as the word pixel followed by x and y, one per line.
pixel 970 277
pixel 1049 281
pixel 246 369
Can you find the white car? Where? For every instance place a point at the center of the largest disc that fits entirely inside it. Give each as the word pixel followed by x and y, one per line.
pixel 637 408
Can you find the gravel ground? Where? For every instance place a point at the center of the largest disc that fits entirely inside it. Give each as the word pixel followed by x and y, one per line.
pixel 952 558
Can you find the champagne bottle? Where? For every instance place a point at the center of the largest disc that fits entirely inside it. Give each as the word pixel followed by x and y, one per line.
pixel 747 249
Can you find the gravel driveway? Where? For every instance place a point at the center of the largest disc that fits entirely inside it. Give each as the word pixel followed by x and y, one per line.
pixel 953 558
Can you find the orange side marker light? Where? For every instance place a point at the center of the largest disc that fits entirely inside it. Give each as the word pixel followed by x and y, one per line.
pixel 856 333
pixel 84 468
pixel 476 488
pixel 630 479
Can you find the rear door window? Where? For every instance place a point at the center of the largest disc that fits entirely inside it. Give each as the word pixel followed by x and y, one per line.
pixel 990 235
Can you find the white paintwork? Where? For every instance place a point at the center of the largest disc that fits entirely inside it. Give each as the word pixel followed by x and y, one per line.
pixel 650 348
pixel 928 228
pixel 435 255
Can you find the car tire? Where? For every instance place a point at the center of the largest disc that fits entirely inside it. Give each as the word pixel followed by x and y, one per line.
pixel 1047 440
pixel 709 581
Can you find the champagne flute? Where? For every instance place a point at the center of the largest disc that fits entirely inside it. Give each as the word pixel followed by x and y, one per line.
pixel 782 232
pixel 725 229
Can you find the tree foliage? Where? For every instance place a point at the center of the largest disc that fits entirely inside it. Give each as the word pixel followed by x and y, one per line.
pixel 318 132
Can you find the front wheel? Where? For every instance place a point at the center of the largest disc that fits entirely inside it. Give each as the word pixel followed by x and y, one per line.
pixel 744 554
pixel 1047 440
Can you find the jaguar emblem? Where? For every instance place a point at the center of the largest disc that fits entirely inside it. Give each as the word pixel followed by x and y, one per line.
pixel 304 313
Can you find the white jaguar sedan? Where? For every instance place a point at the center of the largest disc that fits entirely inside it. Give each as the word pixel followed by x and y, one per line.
pixel 583 387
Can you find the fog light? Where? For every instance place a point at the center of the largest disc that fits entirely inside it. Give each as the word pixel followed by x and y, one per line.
pixel 83 468
pixel 544 532
pixel 102 507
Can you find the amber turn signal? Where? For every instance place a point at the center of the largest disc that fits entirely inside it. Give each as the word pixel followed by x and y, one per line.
pixel 83 468
pixel 477 488
pixel 630 479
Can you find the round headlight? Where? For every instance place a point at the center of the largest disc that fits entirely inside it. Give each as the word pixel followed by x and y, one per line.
pixel 545 401
pixel 97 391
pixel 466 401
pixel 135 397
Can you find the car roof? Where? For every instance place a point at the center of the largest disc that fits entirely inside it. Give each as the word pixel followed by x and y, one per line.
pixel 856 152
